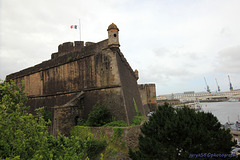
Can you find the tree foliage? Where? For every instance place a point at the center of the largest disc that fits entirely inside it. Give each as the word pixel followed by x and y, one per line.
pixel 25 136
pixel 21 134
pixel 175 134
pixel 99 116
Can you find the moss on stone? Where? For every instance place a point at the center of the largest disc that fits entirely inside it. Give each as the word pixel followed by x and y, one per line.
pixel 81 131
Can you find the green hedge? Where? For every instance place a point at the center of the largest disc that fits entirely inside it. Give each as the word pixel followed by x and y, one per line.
pixel 99 116
pixel 117 124
pixel 137 120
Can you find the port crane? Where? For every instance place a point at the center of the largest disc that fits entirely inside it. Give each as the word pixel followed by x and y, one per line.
pixel 217 85
pixel 208 90
pixel 230 84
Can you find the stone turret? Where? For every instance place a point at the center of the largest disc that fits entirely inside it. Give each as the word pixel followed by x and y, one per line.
pixel 113 40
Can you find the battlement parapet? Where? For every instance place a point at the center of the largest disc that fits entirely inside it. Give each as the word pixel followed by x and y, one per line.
pixel 68 47
pixel 68 53
pixel 148 94
pixel 143 86
pixel 89 43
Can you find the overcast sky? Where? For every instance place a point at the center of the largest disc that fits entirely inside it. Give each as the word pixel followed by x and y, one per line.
pixel 172 43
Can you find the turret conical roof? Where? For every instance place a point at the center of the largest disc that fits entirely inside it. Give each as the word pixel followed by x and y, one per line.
pixel 112 26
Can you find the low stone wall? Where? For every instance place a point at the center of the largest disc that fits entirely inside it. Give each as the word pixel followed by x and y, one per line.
pixel 127 136
pixel 130 134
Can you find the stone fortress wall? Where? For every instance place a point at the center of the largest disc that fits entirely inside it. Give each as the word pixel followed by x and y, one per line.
pixel 148 96
pixel 77 77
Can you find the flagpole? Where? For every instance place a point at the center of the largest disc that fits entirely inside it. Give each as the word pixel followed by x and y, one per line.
pixel 79 29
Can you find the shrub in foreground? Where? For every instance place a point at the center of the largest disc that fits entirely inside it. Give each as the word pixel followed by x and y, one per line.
pixel 99 116
pixel 25 136
pixel 175 134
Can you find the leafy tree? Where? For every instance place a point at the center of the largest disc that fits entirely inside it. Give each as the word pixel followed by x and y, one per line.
pixel 99 116
pixel 74 148
pixel 25 136
pixel 22 134
pixel 175 134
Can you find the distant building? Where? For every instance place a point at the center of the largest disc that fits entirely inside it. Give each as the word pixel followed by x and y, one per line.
pixel 171 102
pixel 165 97
pixel 202 96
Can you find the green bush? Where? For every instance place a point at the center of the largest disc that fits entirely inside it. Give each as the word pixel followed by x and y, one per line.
pixel 21 134
pixel 70 59
pixel 74 147
pixel 117 132
pixel 94 147
pixel 116 124
pixel 81 122
pixel 136 120
pixel 46 114
pixel 99 116
pixel 80 131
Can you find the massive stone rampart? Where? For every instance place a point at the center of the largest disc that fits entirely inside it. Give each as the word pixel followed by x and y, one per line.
pixel 98 71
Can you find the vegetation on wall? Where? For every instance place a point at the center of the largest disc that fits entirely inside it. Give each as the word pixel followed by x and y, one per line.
pixel 136 108
pixel 117 136
pixel 70 59
pixel 116 124
pixel 138 118
pixel 175 134
pixel 80 131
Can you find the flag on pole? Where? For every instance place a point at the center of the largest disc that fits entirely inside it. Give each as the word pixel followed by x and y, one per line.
pixel 73 26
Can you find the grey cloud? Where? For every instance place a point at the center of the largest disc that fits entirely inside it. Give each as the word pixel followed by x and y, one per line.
pixel 228 60
pixel 225 31
pixel 159 72
pixel 161 52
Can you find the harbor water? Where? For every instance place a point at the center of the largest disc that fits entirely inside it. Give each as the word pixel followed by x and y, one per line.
pixel 224 111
